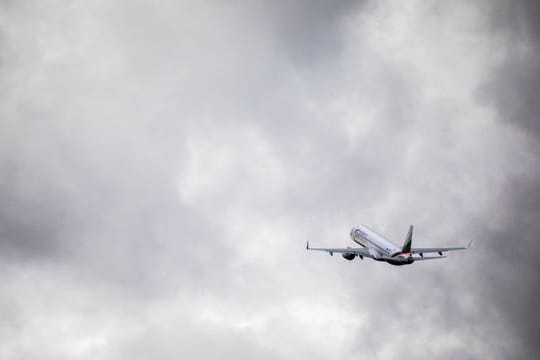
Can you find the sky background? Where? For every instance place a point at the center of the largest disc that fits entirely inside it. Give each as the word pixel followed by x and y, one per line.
pixel 162 164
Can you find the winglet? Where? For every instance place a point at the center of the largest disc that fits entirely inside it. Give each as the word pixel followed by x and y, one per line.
pixel 307 245
pixel 470 243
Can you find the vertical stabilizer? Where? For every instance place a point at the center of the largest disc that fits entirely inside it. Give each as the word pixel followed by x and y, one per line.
pixel 408 242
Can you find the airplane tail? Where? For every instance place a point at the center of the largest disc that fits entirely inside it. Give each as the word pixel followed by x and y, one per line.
pixel 406 249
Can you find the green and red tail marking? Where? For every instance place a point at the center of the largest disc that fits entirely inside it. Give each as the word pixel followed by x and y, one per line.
pixel 406 249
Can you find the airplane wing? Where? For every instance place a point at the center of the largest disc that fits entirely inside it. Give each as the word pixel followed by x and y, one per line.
pixel 438 250
pixel 428 258
pixel 331 251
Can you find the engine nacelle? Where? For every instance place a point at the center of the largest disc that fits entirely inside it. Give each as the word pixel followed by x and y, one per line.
pixel 348 256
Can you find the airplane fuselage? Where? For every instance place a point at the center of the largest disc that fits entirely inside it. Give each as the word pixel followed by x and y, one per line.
pixel 379 247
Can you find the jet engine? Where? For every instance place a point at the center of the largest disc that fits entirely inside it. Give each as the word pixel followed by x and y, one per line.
pixel 349 256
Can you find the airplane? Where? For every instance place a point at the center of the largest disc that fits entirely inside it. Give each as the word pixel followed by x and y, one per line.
pixel 377 247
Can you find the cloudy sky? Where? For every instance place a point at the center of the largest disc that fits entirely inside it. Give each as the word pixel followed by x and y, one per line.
pixel 162 164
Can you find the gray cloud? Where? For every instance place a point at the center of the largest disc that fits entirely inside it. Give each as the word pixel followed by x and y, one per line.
pixel 515 82
pixel 511 88
pixel 164 162
pixel 310 31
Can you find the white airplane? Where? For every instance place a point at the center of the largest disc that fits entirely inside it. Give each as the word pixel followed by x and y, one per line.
pixel 377 247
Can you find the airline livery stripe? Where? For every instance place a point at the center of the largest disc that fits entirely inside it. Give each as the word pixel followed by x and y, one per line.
pixel 402 253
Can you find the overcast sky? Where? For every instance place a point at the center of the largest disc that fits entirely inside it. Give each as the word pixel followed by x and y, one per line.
pixel 162 164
